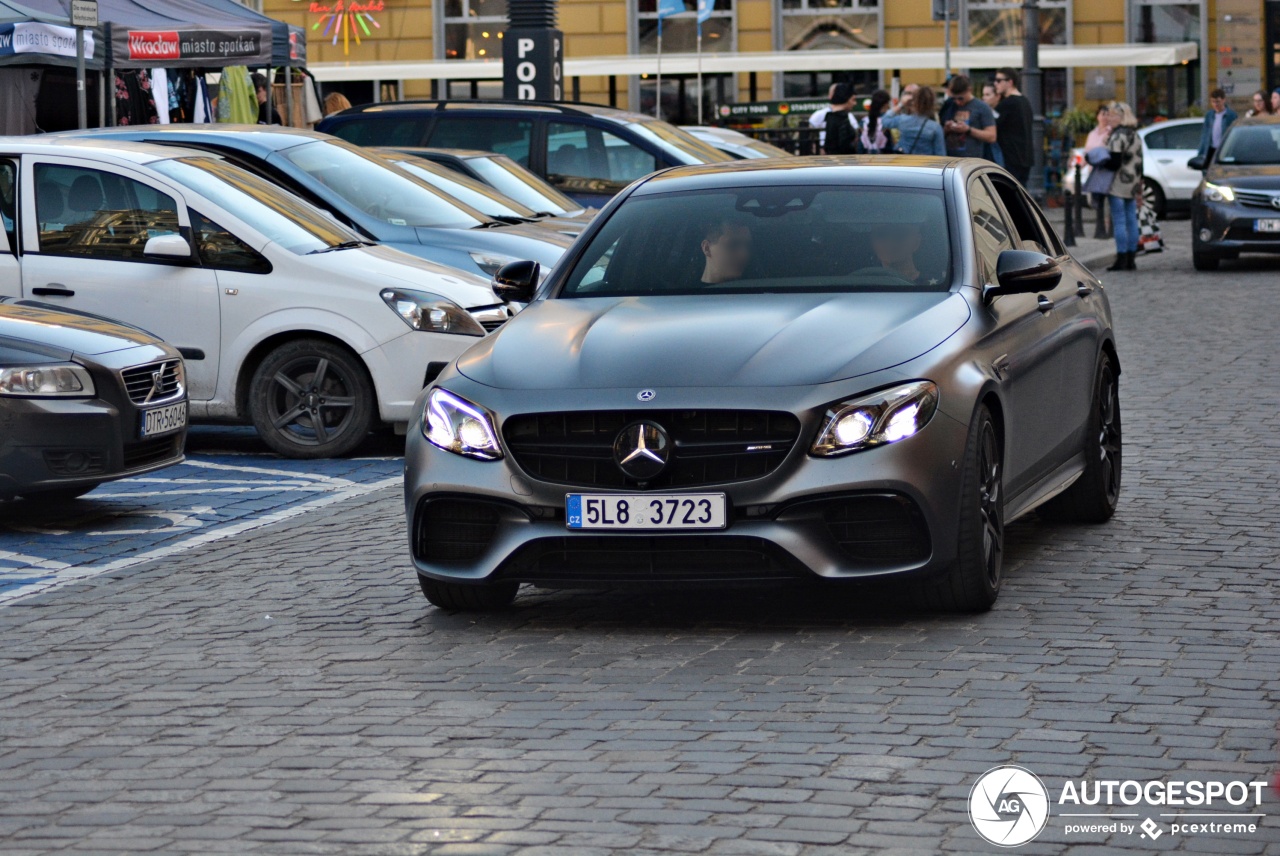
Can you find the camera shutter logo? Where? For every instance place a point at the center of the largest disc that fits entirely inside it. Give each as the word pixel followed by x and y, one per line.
pixel 1008 806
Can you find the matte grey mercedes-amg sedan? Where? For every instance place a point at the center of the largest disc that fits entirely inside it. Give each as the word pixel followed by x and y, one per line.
pixel 826 369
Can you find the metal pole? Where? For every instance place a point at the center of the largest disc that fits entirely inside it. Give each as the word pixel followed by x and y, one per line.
pixel 946 37
pixel 102 99
pixel 1078 199
pixel 699 122
pixel 270 86
pixel 288 95
pixel 1034 90
pixel 82 109
pixel 1068 206
pixel 657 100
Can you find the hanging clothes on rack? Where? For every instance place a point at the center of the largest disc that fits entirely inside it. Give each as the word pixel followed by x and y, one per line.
pixel 201 107
pixel 237 98
pixel 160 94
pixel 135 104
pixel 18 90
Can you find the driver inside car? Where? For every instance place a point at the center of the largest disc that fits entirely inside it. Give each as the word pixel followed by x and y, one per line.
pixel 726 250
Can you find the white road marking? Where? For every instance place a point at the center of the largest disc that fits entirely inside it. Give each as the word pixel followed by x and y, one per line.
pixel 198 539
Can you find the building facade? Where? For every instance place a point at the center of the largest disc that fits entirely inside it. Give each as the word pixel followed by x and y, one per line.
pixel 1238 42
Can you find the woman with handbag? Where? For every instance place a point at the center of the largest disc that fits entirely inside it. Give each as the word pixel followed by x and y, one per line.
pixel 1124 148
pixel 915 121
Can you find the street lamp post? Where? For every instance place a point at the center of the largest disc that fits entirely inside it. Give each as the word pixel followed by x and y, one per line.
pixel 1034 90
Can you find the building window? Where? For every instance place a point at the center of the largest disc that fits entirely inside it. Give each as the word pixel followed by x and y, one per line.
pixel 999 22
pixel 473 29
pixel 829 25
pixel 680 34
pixel 1166 91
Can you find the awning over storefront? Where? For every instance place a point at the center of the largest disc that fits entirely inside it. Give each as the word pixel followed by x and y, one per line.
pixel 1051 56
pixel 37 37
pixel 288 42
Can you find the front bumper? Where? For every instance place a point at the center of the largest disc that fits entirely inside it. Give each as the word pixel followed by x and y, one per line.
pixel 886 511
pixel 1228 229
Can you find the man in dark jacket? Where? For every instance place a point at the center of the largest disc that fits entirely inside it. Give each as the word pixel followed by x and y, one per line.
pixel 1013 125
pixel 1216 122
pixel 842 131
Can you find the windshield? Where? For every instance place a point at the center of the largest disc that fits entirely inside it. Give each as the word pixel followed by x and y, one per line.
pixel 283 218
pixel 1251 144
pixel 378 188
pixel 769 239
pixel 682 146
pixel 464 188
pixel 513 180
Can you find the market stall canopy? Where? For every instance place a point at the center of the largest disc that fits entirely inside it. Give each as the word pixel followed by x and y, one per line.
pixel 1051 56
pixel 288 42
pixel 175 34
pixel 31 36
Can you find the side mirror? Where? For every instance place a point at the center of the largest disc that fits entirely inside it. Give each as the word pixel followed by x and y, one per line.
pixel 515 282
pixel 1199 162
pixel 167 247
pixel 1023 272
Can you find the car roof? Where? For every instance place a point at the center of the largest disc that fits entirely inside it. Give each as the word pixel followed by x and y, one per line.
pixel 1169 123
pixel 1267 119
pixel 261 139
pixel 461 154
pixel 564 108
pixel 900 170
pixel 122 150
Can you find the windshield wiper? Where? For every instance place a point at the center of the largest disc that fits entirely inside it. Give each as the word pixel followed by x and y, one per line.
pixel 345 245
pixel 492 224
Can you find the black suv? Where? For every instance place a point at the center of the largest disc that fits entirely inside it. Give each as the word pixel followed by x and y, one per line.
pixel 588 151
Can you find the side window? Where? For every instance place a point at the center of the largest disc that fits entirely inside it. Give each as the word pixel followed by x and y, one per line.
pixel 990 233
pixel 504 136
pixel 1026 227
pixel 93 214
pixel 1157 139
pixel 382 131
pixel 1185 137
pixel 578 153
pixel 8 200
pixel 222 250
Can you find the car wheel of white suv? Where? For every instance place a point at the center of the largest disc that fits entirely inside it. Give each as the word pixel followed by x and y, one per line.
pixel 311 399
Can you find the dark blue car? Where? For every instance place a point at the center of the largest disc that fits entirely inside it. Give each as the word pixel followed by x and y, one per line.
pixel 364 191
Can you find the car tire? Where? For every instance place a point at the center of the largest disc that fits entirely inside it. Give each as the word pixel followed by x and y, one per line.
pixel 1203 261
pixel 311 399
pixel 1092 498
pixel 1154 196
pixel 973 582
pixel 462 597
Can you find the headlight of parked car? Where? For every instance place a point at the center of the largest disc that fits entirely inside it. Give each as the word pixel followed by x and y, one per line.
pixel 882 417
pixel 1219 193
pixel 431 312
pixel 59 380
pixel 458 426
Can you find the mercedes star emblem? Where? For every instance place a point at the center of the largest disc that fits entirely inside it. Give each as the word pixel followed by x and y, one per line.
pixel 641 450
pixel 646 395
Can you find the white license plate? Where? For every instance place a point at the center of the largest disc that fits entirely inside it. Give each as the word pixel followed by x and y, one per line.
pixel 164 420
pixel 657 511
pixel 1271 225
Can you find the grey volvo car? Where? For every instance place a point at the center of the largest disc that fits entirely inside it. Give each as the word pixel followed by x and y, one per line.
pixel 828 369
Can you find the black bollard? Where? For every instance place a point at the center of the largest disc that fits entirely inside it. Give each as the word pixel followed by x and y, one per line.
pixel 1100 222
pixel 1069 230
pixel 1079 203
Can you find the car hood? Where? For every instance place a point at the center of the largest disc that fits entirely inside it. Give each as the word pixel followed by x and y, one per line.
pixel 382 266
pixel 748 340
pixel 1259 177
pixel 27 327
pixel 524 241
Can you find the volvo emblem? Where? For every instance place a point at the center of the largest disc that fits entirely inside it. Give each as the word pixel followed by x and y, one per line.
pixel 157 378
pixel 641 450
pixel 646 395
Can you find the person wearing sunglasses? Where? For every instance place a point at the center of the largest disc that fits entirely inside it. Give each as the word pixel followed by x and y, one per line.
pixel 1013 126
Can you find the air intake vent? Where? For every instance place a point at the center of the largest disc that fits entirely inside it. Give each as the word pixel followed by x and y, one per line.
pixel 532 14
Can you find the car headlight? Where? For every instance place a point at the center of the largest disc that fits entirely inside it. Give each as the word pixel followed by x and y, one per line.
pixel 1219 193
pixel 882 417
pixel 58 380
pixel 458 426
pixel 431 312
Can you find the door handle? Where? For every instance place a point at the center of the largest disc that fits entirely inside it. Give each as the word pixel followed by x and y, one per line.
pixel 1083 290
pixel 53 289
pixel 1043 303
pixel 1165 160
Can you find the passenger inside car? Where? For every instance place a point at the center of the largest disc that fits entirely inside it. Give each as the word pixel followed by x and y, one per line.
pixel 726 247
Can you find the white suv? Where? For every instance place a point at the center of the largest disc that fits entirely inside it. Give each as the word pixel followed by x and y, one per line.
pixel 286 318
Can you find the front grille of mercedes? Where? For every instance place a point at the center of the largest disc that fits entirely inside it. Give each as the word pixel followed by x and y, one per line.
pixel 710 447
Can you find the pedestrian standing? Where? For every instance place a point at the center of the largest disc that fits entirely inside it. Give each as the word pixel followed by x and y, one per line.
pixel 992 99
pixel 873 140
pixel 969 124
pixel 1275 100
pixel 1097 139
pixel 819 117
pixel 1216 122
pixel 1261 105
pixel 1125 147
pixel 1013 127
pixel 918 131
pixel 842 126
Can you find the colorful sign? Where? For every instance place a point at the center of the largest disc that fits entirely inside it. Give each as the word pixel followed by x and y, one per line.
pixel 347 19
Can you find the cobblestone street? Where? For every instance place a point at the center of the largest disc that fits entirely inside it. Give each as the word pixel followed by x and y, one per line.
pixel 289 691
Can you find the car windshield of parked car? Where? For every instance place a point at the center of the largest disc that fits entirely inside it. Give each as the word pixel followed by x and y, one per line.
pixel 678 143
pixel 281 217
pixel 380 189
pixel 1249 145
pixel 768 240
pixel 515 181
pixel 463 188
